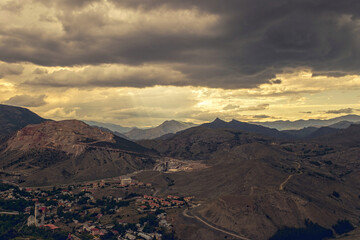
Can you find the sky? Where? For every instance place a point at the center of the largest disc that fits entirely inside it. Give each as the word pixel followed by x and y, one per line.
pixel 141 62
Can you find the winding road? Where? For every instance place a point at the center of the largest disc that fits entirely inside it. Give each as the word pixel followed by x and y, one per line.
pixel 185 213
pixel 282 185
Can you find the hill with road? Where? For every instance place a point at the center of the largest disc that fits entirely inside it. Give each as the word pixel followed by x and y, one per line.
pixel 254 185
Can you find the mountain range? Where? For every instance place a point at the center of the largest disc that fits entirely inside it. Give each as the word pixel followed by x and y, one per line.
pixel 112 127
pixel 300 129
pixel 255 185
pixel 299 124
pixel 166 127
pixel 255 181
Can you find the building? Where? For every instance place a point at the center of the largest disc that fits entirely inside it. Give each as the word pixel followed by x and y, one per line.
pixel 31 221
pixel 126 181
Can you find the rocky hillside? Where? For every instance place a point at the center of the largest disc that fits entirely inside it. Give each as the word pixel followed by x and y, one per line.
pixel 54 152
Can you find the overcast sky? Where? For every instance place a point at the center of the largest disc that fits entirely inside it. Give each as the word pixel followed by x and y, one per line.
pixel 141 62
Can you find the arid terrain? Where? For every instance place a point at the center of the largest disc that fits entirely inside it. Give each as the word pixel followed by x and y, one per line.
pixel 246 185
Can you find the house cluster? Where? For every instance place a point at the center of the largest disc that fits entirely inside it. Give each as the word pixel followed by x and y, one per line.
pixel 152 203
pixel 76 207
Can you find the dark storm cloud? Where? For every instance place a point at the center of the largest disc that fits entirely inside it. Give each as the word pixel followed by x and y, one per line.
pixel 68 4
pixel 341 111
pixel 26 101
pixel 251 42
pixel 105 76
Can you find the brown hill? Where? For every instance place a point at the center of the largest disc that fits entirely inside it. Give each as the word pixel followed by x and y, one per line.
pixel 344 137
pixel 200 143
pixel 66 151
pixel 254 188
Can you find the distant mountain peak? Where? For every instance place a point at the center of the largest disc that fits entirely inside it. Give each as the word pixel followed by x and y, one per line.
pixel 246 127
pixel 110 126
pixel 168 126
pixel 169 121
pixel 299 124
pixel 218 120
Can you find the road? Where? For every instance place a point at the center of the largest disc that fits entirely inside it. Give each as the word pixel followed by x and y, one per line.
pixel 185 213
pixel 9 213
pixel 282 185
pixel 156 192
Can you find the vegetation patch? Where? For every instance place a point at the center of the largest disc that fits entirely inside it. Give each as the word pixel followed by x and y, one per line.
pixel 311 231
pixel 343 226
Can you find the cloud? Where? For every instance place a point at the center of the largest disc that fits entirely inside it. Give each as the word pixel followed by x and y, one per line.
pixel 110 76
pixel 276 81
pixel 27 101
pixel 230 107
pixel 262 116
pixel 240 44
pixel 40 71
pixel 341 111
pixel 10 69
pixel 12 6
pixel 259 107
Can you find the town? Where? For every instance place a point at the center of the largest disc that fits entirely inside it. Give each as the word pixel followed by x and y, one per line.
pixel 117 208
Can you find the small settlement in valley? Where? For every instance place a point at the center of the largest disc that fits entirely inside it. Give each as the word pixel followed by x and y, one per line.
pixel 117 208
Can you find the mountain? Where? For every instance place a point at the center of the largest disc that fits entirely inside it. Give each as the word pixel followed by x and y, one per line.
pixel 165 128
pixel 349 137
pixel 115 133
pixel 322 132
pixel 343 124
pixel 311 132
pixel 200 143
pixel 299 124
pixel 301 133
pixel 254 186
pixel 67 151
pixel 247 127
pixel 14 118
pixel 113 127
